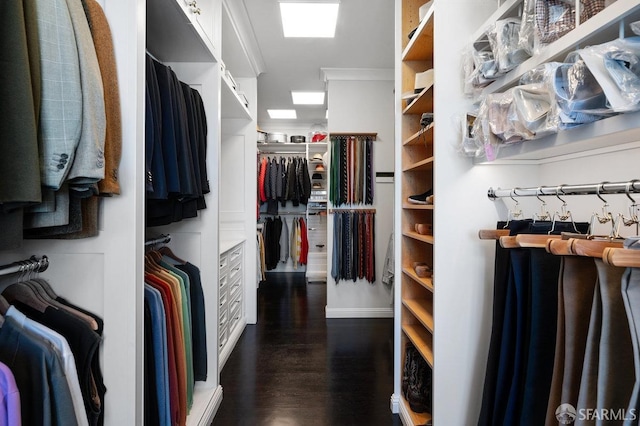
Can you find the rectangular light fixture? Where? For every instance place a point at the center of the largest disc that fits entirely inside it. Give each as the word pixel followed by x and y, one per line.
pixel 282 113
pixel 309 18
pixel 307 98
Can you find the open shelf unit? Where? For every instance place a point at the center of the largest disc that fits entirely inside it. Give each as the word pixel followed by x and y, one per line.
pixel 414 147
pixel 608 134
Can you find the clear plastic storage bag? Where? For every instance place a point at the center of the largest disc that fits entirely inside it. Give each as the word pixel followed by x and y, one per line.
pixel 616 67
pixel 555 18
pixel 504 38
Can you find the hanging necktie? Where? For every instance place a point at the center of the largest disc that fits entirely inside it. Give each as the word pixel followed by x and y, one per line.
pixel 369 171
pixel 362 235
pixel 343 172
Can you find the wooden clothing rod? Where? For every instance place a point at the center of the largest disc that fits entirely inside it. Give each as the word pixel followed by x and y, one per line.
pixel 33 264
pixel 603 188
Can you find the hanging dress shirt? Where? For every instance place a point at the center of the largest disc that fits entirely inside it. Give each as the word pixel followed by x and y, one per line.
pixel 9 398
pixel 59 343
pixel 39 375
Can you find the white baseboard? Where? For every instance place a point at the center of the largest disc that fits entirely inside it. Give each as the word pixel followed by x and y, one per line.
pixel 358 312
pixel 231 343
pixel 404 415
pixel 206 401
pixel 212 408
pixel 395 404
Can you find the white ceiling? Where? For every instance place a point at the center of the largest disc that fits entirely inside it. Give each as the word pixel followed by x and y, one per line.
pixel 364 39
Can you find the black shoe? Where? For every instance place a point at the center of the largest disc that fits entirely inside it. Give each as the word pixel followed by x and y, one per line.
pixel 424 198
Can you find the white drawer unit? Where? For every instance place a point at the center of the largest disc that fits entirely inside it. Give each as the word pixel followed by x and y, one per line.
pixel 235 313
pixel 235 290
pixel 231 318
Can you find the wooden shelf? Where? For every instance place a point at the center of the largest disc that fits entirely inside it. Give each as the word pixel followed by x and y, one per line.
pixel 422 309
pixel 417 419
pixel 420 46
pixel 422 340
pixel 424 238
pixel 417 166
pixel 424 282
pixel 423 103
pixel 421 137
pixel 420 166
pixel 409 206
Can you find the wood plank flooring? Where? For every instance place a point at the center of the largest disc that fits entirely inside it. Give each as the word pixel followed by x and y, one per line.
pixel 295 367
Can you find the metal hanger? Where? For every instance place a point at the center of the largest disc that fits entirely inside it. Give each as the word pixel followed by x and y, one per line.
pixel 606 216
pixel 633 208
pixel 516 212
pixel 544 214
pixel 563 215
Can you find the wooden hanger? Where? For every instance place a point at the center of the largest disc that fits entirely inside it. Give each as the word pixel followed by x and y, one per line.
pixel 38 286
pixel 22 293
pixel 581 247
pixel 167 252
pixel 492 234
pixel 626 258
pixel 593 248
pixel 559 247
pixel 527 240
pixel 4 305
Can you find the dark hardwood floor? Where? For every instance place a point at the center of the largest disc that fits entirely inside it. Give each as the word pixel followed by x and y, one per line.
pixel 295 367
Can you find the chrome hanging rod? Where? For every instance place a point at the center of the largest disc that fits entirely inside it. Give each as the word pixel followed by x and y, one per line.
pixel 603 188
pixel 288 153
pixel 33 264
pixel 162 239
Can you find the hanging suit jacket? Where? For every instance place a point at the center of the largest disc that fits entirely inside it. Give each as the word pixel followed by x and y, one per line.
pixel 20 82
pixel 61 105
pixel 155 182
pixel 103 42
pixel 88 166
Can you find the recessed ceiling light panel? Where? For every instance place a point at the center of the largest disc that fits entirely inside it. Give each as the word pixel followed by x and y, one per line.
pixel 282 113
pixel 307 98
pixel 309 19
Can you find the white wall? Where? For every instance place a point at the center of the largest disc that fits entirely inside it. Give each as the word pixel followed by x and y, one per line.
pixel 238 186
pixel 365 107
pixel 463 265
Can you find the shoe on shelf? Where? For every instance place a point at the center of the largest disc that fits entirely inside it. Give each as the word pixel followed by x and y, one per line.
pixel 424 198
pixel 424 228
pixel 422 269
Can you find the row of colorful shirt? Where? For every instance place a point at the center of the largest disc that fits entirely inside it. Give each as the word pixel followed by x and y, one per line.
pixel 175 337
